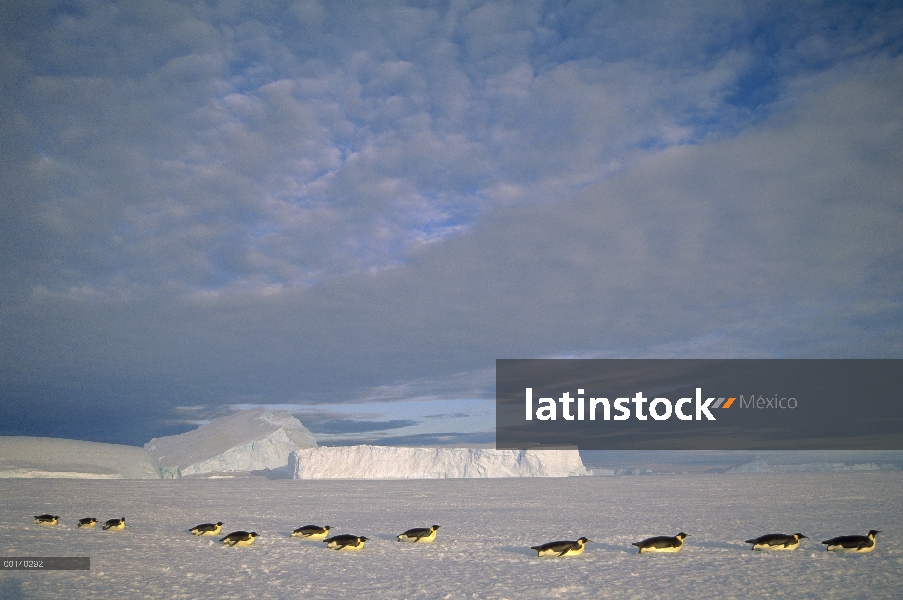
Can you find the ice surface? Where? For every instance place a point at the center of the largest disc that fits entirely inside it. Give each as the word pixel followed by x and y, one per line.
pixel 385 462
pixel 32 457
pixel 481 551
pixel 250 440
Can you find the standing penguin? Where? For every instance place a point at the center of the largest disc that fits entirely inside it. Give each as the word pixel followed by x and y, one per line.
pixel 563 548
pixel 852 543
pixel 419 534
pixel 777 541
pixel 114 524
pixel 662 543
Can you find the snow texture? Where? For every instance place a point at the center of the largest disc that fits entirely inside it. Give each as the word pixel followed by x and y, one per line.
pixel 39 457
pixel 251 440
pixel 385 462
pixel 483 548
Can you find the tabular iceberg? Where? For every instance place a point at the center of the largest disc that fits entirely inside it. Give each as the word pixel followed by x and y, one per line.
pixel 384 462
pixel 251 440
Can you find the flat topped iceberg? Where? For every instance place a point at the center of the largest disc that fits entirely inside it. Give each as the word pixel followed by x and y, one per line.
pixel 251 440
pixel 385 462
pixel 40 457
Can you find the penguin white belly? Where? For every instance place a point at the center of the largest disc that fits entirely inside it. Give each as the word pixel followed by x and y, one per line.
pixel 767 548
pixel 670 549
pixel 414 539
pixel 839 548
pixel 348 548
pixel 244 542
pixel 568 552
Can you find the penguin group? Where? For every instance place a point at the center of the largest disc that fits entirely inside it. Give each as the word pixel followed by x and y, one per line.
pixel 859 544
pixel 85 523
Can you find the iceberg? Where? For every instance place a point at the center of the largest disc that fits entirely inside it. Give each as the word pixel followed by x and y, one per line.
pixel 40 457
pixel 385 462
pixel 760 466
pixel 251 440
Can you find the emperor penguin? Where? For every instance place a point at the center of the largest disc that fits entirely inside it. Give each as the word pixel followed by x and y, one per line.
pixel 312 532
pixel 853 543
pixel 87 522
pixel 207 528
pixel 419 534
pixel 240 538
pixel 563 548
pixel 776 541
pixel 662 543
pixel 346 542
pixel 114 524
pixel 48 520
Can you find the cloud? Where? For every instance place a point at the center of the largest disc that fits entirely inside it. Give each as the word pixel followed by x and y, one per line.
pixel 327 204
pixel 356 425
pixel 177 149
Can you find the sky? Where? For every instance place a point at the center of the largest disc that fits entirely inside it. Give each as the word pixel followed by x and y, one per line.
pixel 351 210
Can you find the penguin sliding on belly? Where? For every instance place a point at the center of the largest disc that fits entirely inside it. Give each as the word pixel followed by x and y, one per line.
pixel 207 528
pixel 114 525
pixel 419 534
pixel 346 542
pixel 662 543
pixel 776 541
pixel 239 538
pixel 563 548
pixel 87 522
pixel 312 532
pixel 852 543
pixel 48 520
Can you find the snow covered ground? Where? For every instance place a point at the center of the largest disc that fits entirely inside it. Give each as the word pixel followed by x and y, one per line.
pixel 482 550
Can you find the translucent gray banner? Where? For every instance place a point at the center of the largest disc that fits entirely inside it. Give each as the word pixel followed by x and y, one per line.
pixel 712 404
pixel 45 563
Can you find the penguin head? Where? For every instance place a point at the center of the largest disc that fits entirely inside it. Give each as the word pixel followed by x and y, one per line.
pixel 800 536
pixel 327 527
pixel 363 539
pixel 434 527
pixel 873 533
pixel 253 534
pixel 584 540
pixel 682 535
pixel 219 523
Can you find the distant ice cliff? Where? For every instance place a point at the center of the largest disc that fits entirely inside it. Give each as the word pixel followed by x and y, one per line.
pixel 384 462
